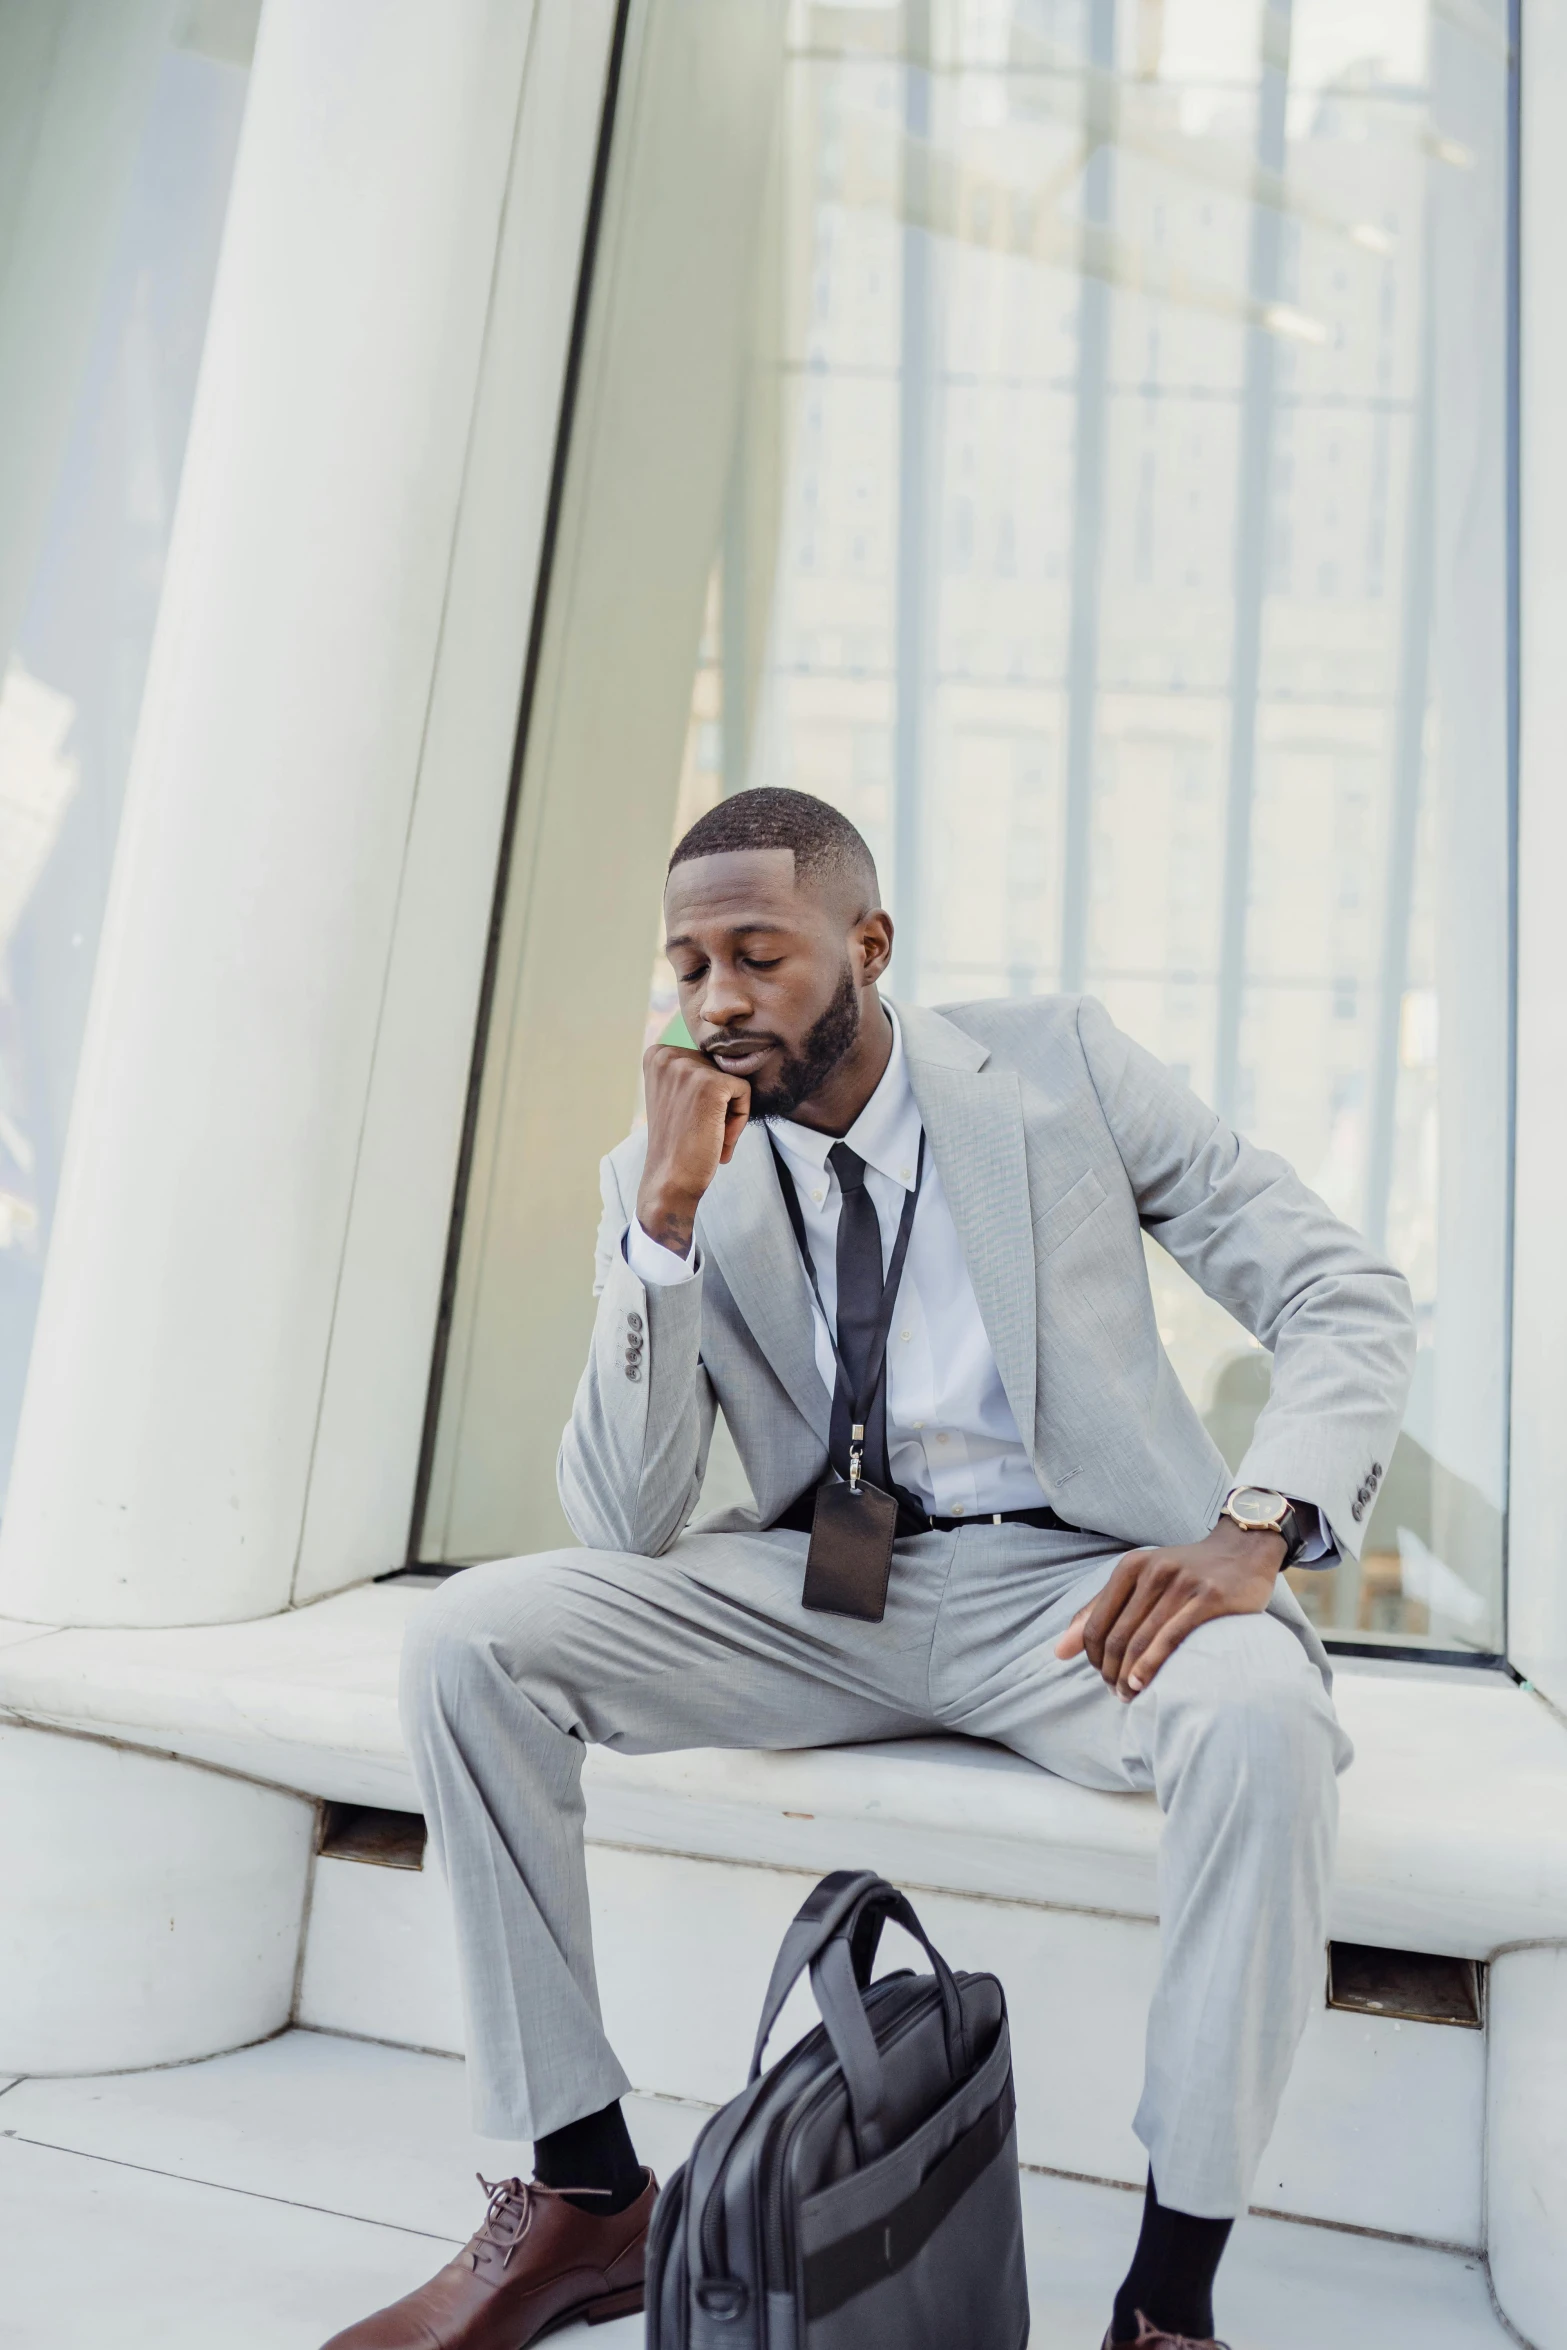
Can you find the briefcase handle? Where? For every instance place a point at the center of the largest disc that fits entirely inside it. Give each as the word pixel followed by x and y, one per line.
pixel 835 1934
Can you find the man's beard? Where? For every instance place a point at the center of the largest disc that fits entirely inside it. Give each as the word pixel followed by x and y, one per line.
pixel 827 1043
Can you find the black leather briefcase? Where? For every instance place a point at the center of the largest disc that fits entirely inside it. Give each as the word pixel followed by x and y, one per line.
pixel 862 2193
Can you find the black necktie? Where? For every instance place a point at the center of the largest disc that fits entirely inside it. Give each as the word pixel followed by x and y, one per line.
pixel 860 1281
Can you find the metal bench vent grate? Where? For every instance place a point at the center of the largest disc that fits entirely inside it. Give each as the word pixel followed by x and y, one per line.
pixel 1412 1986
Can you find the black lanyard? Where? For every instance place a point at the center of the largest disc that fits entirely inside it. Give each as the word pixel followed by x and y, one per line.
pixel 876 1360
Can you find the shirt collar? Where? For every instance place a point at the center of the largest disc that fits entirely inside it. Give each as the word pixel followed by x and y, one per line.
pixel 886 1134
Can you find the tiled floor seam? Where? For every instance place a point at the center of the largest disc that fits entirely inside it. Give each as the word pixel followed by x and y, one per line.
pixel 1464 2252
pixel 1290 2219
pixel 1446 2245
pixel 221 2187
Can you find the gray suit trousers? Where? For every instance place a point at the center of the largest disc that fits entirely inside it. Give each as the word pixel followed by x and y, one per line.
pixel 513 1668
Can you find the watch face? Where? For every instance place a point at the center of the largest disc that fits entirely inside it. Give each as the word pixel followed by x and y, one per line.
pixel 1258 1505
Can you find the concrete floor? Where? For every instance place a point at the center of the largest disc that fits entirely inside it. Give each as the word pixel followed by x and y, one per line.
pixel 261 2201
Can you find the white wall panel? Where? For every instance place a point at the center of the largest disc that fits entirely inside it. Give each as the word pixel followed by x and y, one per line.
pixel 379 1960
pixel 1381 2126
pixel 1526 2146
pixel 1537 1534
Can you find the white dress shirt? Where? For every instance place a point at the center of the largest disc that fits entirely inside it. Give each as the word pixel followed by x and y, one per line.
pixel 951 1437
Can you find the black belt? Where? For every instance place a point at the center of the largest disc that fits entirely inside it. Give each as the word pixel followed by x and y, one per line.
pixel 1041 1517
pixel 797 1519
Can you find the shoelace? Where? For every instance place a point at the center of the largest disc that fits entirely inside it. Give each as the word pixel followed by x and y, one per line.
pixel 1147 2333
pixel 514 2200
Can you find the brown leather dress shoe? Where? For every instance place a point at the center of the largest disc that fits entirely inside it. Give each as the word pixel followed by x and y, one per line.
pixel 1150 2338
pixel 537 2263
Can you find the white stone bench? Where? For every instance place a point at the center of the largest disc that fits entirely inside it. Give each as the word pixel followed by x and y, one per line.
pixel 1454 1828
pixel 1454 1841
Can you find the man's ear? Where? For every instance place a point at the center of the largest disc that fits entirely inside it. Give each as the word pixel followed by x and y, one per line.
pixel 874 939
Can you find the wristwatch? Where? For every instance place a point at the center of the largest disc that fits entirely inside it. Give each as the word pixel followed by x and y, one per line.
pixel 1257 1509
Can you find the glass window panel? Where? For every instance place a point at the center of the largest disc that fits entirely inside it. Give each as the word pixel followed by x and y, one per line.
pixel 118 139
pixel 1118 534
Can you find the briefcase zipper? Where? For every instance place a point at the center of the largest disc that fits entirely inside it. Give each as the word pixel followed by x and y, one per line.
pixel 713 2231
pixel 784 2274
pixel 713 2235
pixel 666 2219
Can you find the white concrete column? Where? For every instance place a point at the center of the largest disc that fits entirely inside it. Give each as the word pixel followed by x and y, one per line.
pixel 254 1207
pixel 152 1910
pixel 1526 2143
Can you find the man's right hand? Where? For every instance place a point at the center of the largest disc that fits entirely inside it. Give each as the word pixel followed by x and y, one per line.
pixel 695 1116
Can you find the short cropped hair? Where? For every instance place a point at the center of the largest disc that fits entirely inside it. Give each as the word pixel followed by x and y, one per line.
pixel 825 844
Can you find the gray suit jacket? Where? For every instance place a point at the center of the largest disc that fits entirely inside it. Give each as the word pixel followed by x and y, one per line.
pixel 1059 1142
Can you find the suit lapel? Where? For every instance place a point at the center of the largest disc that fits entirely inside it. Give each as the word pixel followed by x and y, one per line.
pixel 744 1222
pixel 974 1119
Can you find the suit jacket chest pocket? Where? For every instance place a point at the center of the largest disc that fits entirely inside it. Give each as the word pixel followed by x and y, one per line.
pixel 1061 1219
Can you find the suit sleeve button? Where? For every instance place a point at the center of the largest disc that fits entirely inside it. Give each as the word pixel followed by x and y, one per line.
pixel 633 1321
pixel 632 1372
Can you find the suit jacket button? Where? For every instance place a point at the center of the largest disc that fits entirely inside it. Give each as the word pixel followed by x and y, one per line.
pixel 633 1321
pixel 1357 1510
pixel 633 1373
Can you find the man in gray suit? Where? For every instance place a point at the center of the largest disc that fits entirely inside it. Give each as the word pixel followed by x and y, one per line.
pixel 902 1251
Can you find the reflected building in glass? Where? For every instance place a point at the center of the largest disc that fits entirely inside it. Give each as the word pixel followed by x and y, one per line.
pixel 1117 533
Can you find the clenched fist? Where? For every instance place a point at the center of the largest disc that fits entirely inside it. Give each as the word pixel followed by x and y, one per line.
pixel 695 1116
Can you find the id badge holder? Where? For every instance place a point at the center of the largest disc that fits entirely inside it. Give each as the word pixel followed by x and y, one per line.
pixel 849 1563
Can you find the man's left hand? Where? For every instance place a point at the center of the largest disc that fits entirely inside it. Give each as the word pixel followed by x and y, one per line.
pixel 1155 1597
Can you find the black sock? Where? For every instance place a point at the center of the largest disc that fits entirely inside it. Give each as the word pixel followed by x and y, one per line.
pixel 594 2152
pixel 1172 2272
